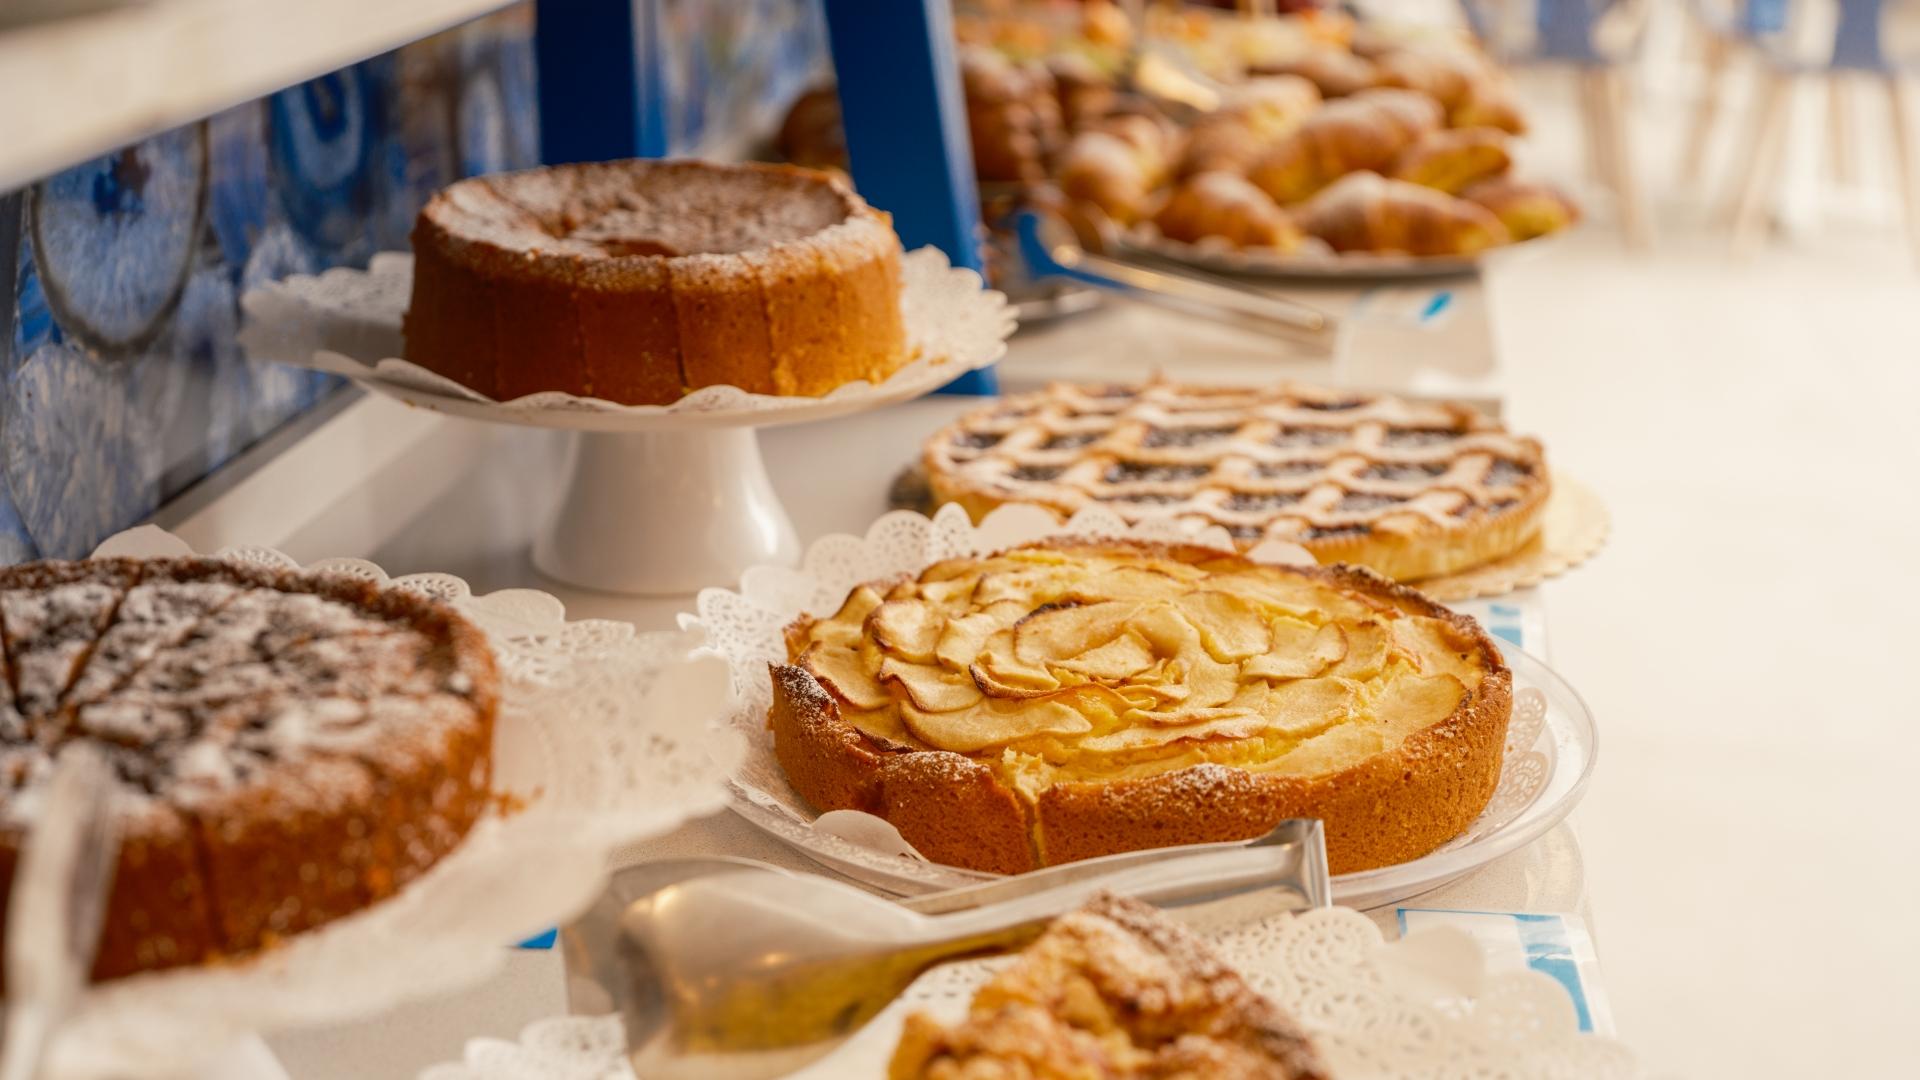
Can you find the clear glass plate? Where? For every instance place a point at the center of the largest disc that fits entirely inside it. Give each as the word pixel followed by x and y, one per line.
pixel 1551 746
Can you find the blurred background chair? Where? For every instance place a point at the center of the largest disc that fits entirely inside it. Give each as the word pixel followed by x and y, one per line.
pixel 1857 50
pixel 1598 40
pixel 1726 28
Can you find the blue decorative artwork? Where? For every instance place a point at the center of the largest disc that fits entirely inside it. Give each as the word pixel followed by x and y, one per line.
pixel 120 379
pixel 729 71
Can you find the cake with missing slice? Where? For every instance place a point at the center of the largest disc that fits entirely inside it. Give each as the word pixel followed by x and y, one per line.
pixel 287 748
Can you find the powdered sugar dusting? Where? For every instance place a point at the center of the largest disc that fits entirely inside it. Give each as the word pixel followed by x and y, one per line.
pixel 198 684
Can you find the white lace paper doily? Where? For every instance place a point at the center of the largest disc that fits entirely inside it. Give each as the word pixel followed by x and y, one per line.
pixel 1549 749
pixel 598 738
pixel 1422 1008
pixel 347 322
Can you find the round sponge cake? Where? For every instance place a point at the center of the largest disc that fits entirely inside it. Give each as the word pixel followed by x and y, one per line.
pixel 638 281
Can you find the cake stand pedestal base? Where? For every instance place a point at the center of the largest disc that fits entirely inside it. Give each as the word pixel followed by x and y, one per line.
pixel 665 512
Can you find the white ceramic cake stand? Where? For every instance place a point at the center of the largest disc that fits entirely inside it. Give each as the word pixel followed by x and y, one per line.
pixel 658 500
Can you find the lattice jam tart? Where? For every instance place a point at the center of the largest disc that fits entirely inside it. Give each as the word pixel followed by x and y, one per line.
pixel 288 747
pixel 1410 489
pixel 1071 699
pixel 1113 990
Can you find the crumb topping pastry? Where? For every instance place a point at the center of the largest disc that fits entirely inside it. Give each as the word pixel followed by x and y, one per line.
pixel 1115 990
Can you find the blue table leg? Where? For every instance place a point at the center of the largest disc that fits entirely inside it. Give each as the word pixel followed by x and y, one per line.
pixel 906 128
pixel 600 92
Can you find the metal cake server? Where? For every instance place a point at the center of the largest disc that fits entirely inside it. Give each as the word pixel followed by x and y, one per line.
pixel 58 902
pixel 1054 248
pixel 736 968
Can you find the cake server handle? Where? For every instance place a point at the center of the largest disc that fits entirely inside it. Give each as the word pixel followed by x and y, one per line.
pixel 57 905
pixel 1051 250
pixel 1314 883
pixel 1292 859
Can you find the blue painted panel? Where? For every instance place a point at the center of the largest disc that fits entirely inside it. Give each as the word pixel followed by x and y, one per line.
pixel 120 379
pixel 906 128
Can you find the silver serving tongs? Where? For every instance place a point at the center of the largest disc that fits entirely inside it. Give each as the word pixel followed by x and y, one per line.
pixel 1053 248
pixel 58 902
pixel 718 963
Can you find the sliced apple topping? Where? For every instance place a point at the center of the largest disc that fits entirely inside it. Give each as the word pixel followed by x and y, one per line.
pixel 1216 724
pixel 930 686
pixel 845 676
pixel 1366 650
pixel 1230 627
pixel 1000 673
pixel 1300 650
pixel 1125 656
pixel 1434 647
pixel 951 591
pixel 993 723
pixel 962 640
pixel 1128 583
pixel 1058 655
pixel 1304 706
pixel 1061 632
pixel 909 628
pixel 1413 702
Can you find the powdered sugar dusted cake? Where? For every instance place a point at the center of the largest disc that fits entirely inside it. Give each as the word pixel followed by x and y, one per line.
pixel 637 281
pixel 288 748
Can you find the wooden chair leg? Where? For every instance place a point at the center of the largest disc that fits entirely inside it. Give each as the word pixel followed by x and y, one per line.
pixel 1594 123
pixel 1762 171
pixel 1903 159
pixel 1693 155
pixel 1611 87
pixel 1840 128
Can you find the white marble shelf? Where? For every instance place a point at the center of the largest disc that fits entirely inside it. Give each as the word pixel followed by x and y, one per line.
pixel 84 84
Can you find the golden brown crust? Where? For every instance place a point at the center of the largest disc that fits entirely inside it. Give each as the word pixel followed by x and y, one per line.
pixel 1391 807
pixel 638 281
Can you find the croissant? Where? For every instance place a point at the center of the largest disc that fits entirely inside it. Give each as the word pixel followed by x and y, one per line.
pixel 1367 212
pixel 1415 112
pixel 1364 132
pixel 1109 172
pixel 1225 205
pixel 1447 76
pixel 1490 103
pixel 1336 72
pixel 1450 160
pixel 1527 209
pixel 1254 114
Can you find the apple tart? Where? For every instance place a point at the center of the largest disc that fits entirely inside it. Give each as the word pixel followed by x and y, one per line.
pixel 1412 489
pixel 1070 699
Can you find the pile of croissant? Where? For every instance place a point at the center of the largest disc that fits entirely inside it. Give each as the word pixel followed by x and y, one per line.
pixel 1407 151
pixel 1380 147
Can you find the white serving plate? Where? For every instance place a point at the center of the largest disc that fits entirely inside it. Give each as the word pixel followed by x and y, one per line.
pixel 1550 751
